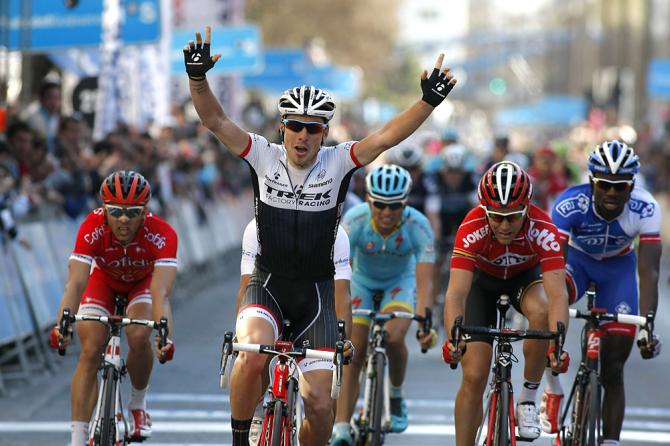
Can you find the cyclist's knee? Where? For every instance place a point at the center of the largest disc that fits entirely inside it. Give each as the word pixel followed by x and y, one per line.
pixel 138 338
pixel 535 309
pixel 474 381
pixel 250 363
pixel 611 375
pixel 318 404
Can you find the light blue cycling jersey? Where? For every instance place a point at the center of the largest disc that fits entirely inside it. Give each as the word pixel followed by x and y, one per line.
pixel 379 260
pixel 602 252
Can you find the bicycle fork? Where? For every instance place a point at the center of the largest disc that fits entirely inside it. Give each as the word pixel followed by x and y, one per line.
pixel 493 413
pixel 111 358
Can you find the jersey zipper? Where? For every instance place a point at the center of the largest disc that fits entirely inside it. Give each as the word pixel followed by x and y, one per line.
pixel 507 256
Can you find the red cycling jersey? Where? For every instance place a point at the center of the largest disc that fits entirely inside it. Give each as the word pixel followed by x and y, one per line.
pixel 537 242
pixel 154 244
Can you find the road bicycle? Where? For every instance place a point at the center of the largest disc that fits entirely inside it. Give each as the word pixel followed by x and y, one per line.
pixel 374 419
pixel 282 409
pixel 109 426
pixel 580 422
pixel 499 421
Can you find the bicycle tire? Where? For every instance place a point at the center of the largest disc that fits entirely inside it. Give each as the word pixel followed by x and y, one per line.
pixel 579 416
pixel 593 423
pixel 108 424
pixel 502 426
pixel 276 436
pixel 376 436
pixel 292 421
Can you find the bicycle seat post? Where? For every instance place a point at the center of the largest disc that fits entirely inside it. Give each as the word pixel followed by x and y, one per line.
pixel 591 296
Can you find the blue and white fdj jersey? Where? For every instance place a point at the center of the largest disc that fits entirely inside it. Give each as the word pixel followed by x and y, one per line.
pixel 389 263
pixel 602 251
pixel 297 219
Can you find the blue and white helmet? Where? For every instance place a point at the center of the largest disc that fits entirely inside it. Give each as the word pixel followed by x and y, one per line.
pixel 614 157
pixel 388 183
pixel 307 100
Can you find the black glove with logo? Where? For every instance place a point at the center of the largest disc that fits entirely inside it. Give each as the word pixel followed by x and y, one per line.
pixel 197 60
pixel 436 87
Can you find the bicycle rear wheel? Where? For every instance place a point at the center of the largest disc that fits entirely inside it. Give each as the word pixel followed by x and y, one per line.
pixel 502 425
pixel 107 423
pixel 376 436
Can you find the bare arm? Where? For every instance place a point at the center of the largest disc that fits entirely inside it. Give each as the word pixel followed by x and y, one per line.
pixel 343 304
pixel 460 282
pixel 401 126
pixel 210 110
pixel 649 258
pixel 424 286
pixel 77 278
pixel 557 295
pixel 162 281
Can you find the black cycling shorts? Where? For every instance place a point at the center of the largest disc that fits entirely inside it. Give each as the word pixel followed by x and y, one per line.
pixel 481 309
pixel 308 306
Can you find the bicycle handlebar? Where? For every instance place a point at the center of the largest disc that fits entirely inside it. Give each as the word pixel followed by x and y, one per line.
pixel 601 315
pixel 337 356
pixel 384 317
pixel 67 319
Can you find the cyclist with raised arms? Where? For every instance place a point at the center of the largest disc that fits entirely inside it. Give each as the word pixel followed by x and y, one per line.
pixel 121 248
pixel 506 245
pixel 299 187
pixel 342 296
pixel 598 223
pixel 392 250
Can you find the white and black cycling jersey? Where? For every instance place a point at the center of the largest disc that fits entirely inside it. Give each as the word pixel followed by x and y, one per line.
pixel 297 221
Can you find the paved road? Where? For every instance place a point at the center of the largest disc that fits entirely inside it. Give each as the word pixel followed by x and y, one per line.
pixel 188 408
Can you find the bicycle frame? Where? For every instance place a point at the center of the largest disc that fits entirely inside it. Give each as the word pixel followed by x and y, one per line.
pixel 372 423
pixel 499 417
pixel 108 418
pixel 281 411
pixel 584 403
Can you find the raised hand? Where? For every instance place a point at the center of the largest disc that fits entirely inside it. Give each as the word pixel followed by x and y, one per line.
pixel 197 58
pixel 437 86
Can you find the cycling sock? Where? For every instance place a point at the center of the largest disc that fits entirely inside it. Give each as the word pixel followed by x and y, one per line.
pixel 138 398
pixel 240 431
pixel 79 430
pixel 528 392
pixel 395 392
pixel 341 429
pixel 610 443
pixel 552 383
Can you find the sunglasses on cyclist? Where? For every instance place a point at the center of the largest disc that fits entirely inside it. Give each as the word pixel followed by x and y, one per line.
pixel 511 217
pixel 619 186
pixel 393 206
pixel 313 128
pixel 118 211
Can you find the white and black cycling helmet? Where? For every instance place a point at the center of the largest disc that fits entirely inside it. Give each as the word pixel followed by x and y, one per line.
pixel 388 183
pixel 614 157
pixel 307 100
pixel 405 155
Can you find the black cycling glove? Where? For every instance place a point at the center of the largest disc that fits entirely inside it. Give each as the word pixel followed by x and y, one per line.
pixel 436 87
pixel 197 60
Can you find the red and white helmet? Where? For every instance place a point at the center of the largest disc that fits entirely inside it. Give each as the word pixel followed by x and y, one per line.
pixel 505 185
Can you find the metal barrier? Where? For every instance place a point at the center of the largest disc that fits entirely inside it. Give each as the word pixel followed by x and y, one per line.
pixel 32 280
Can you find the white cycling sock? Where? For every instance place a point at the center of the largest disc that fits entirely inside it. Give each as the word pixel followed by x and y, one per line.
pixel 528 392
pixel 552 382
pixel 610 443
pixel 395 392
pixel 79 431
pixel 138 398
pixel 341 428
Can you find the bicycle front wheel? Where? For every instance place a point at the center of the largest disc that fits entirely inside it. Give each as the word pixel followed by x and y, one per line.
pixel 376 435
pixel 593 422
pixel 276 436
pixel 107 422
pixel 502 425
